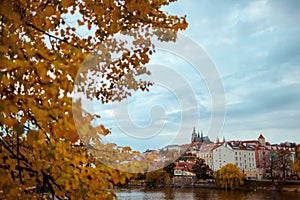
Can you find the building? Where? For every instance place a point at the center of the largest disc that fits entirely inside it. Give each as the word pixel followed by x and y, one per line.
pixel 262 155
pixel 222 155
pixel 257 159
pixel 244 157
pixel 196 137
pixel 184 168
pixel 206 153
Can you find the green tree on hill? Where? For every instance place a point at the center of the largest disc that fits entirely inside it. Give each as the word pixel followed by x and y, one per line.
pixel 201 169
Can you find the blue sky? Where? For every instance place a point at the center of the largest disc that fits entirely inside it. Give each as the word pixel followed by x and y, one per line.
pixel 254 46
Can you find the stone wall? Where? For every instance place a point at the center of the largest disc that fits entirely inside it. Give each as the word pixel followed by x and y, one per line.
pixel 182 181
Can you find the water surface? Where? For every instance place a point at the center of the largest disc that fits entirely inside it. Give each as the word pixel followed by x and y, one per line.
pixel 201 193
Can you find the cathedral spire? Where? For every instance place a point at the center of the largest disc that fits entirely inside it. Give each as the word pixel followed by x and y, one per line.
pixel 194 135
pixel 194 131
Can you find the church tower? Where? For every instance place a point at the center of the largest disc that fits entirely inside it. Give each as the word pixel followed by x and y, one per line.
pixel 194 135
pixel 261 140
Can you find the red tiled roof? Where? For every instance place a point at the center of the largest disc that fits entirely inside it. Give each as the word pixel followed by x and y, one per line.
pixel 177 167
pixel 186 145
pixel 261 136
pixel 184 165
pixel 207 147
pixel 196 143
pixel 250 141
pixel 261 148
pixel 219 143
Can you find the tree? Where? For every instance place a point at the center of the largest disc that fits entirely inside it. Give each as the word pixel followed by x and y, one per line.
pixel 170 169
pixel 42 55
pixel 200 168
pixel 281 162
pixel 230 176
pixel 284 160
pixel 296 164
pixel 157 178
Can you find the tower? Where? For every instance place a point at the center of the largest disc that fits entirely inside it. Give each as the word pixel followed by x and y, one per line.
pixel 194 135
pixel 261 140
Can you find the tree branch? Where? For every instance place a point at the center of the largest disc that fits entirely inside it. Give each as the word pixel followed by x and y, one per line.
pixel 51 36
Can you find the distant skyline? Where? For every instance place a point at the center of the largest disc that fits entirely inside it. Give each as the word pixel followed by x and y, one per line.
pixel 255 47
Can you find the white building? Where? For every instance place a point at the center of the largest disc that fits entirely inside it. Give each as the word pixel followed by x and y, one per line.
pixel 205 152
pixel 222 155
pixel 244 158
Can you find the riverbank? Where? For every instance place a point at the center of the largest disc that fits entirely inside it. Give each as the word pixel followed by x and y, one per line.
pixel 249 185
pixel 254 185
pixel 278 185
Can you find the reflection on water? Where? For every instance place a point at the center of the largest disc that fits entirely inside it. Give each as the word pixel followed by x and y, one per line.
pixel 201 193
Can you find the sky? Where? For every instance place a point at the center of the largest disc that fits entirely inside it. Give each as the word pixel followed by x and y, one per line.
pixel 251 47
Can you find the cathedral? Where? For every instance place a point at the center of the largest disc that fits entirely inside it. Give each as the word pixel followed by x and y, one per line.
pixel 196 137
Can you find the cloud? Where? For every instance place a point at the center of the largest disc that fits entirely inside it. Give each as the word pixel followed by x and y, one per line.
pixel 255 46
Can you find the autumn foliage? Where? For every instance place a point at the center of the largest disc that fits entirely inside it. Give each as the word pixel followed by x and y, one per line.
pixel 42 55
pixel 296 164
pixel 230 176
pixel 201 169
pixel 157 178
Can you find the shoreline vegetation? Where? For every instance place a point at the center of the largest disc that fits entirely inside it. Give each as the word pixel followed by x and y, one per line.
pixel 249 185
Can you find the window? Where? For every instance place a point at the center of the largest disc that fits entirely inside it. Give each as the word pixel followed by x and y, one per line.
pixel 235 153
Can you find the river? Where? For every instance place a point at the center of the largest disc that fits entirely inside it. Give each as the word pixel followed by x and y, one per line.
pixel 201 193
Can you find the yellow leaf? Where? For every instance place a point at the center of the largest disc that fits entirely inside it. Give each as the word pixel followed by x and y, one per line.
pixel 67 3
pixel 10 122
pixel 80 23
pixel 49 11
